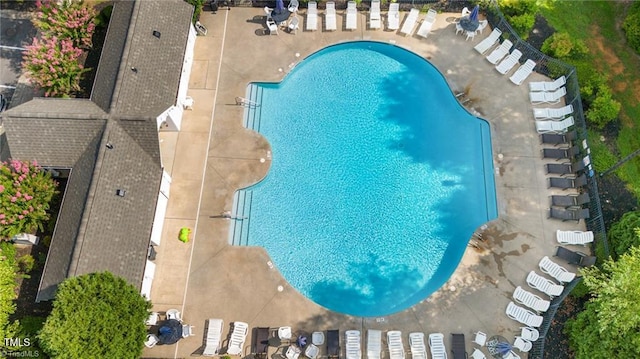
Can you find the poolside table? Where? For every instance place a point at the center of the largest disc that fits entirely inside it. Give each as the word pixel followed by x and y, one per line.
pixel 498 346
pixel 468 24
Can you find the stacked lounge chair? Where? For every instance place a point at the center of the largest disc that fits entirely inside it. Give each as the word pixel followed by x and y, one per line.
pixel 523 316
pixel 548 85
pixel 312 16
pixel 351 16
pixel 436 346
pixel 333 344
pixel 375 20
pixel 214 336
pixel 560 153
pixel 557 139
pixel 569 214
pixel 509 62
pixel 352 347
pixel 489 41
pixel 574 257
pixel 523 72
pixel 427 23
pixel 555 270
pixel 330 16
pixel 565 168
pixel 394 341
pixel 458 346
pixel 530 300
pixel 566 183
pixel 410 22
pixel 541 97
pixel 416 344
pixel 552 113
pixel 374 344
pixel 546 286
pixel 500 52
pixel 571 200
pixel 237 338
pixel 554 126
pixel 393 16
pixel 574 237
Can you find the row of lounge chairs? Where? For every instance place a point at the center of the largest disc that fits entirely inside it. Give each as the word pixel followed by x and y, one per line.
pixel 503 60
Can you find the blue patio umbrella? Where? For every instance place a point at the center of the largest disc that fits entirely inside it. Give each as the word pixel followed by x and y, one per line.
pixel 279 6
pixel 280 13
pixel 474 13
pixel 504 348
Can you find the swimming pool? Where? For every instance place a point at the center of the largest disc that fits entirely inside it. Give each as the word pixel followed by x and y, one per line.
pixel 378 178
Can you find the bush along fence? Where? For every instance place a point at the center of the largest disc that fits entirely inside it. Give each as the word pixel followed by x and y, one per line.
pixel 554 68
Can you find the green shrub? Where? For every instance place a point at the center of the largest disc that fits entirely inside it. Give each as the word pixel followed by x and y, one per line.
pixel 603 109
pixel 8 270
pixel 631 26
pixel 580 290
pixel 26 262
pixel 601 157
pixel 522 24
pixel 624 233
pixel 102 20
pixel 198 4
pixel 562 46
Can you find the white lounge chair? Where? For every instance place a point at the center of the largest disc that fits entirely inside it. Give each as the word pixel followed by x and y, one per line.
pixel 523 72
pixel 477 354
pixel 554 126
pixel 480 338
pixel 555 270
pixel 374 344
pixel 394 341
pixel 312 16
pixel 294 24
pixel 548 85
pixel 330 16
pixel 522 345
pixel 530 334
pixel 351 16
pixel 488 41
pixel 375 20
pixel 293 352
pixel 427 23
pixel 214 334
pixel 509 62
pixel 552 113
pixel 312 351
pixel 530 300
pixel 547 97
pixel 416 344
pixel 410 22
pixel 237 339
pixel 393 16
pixel 436 346
pixel 546 286
pixel 353 349
pixel 574 237
pixel 523 316
pixel 500 52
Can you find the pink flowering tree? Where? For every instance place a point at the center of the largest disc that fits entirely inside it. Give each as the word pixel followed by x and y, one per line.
pixel 25 193
pixel 68 19
pixel 52 64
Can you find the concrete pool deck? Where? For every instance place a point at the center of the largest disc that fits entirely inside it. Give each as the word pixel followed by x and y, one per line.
pixel 214 155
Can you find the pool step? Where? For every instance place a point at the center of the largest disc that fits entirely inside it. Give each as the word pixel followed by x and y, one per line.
pixel 240 221
pixel 253 108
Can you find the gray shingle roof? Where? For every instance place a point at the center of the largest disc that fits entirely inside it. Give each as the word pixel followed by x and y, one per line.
pixel 96 229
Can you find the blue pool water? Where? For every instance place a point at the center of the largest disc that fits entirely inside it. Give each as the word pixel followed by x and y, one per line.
pixel 378 178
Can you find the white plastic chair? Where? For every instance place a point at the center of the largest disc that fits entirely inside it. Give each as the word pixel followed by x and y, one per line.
pixel 482 24
pixel 293 352
pixel 480 339
pixel 317 338
pixel 293 6
pixel 187 331
pixel 470 35
pixel 294 25
pixel 477 354
pixel 530 334
pixel 285 333
pixel 272 26
pixel 174 314
pixel 522 345
pixel 151 341
pixel 312 351
pixel 153 319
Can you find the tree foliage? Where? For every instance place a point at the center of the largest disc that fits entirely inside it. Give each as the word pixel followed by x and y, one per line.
pixel 631 26
pixel 8 272
pixel 623 234
pixel 610 318
pixel 96 315
pixel 562 46
pixel 521 15
pixel 68 20
pixel 25 193
pixel 603 109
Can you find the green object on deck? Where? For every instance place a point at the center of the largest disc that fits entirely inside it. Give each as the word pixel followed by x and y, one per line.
pixel 184 234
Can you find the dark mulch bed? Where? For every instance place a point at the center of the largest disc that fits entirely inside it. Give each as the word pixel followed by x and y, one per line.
pixel 557 343
pixel 540 32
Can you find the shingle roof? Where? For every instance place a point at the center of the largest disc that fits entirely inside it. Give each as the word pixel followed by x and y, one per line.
pixel 153 86
pixel 96 229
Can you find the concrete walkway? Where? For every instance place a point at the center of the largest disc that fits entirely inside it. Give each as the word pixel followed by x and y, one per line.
pixel 214 155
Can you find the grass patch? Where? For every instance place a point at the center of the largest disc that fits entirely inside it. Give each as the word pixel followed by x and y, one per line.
pixel 597 24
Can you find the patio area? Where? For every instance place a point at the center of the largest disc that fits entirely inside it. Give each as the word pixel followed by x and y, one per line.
pixel 214 155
